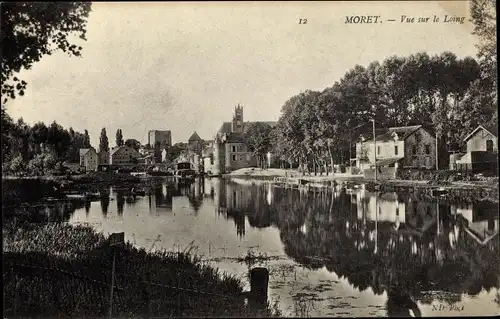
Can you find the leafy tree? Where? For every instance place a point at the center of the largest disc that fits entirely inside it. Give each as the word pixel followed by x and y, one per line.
pixel 257 138
pixel 175 151
pixel 483 14
pixel 103 141
pixel 17 165
pixel 133 143
pixel 30 30
pixel 7 126
pixel 119 137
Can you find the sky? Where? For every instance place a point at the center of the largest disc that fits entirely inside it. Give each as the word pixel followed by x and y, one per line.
pixel 184 66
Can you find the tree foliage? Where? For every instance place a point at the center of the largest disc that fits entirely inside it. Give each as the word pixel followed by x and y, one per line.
pixel 103 141
pixel 133 143
pixel 319 129
pixel 37 149
pixel 30 30
pixel 119 137
pixel 258 140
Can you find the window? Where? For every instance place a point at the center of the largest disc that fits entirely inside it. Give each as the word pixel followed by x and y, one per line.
pixel 234 158
pixel 378 150
pixel 396 150
pixel 489 146
pixel 414 149
pixel 427 149
pixel 233 148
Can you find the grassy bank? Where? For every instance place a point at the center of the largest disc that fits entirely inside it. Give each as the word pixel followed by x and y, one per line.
pixel 62 270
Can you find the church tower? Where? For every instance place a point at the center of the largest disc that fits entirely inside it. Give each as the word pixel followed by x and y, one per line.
pixel 237 124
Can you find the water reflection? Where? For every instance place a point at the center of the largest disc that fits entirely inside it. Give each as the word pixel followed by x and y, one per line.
pixel 377 240
pixel 412 249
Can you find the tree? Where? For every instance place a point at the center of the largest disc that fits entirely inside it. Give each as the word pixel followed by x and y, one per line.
pixel 133 143
pixel 86 141
pixel 119 137
pixel 103 141
pixel 30 30
pixel 483 14
pixel 258 140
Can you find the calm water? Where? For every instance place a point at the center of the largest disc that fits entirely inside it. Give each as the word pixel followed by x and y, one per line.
pixel 329 252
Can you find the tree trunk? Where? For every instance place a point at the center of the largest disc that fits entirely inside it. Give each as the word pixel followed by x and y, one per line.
pixel 331 158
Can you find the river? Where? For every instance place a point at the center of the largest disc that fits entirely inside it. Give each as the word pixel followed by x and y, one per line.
pixel 330 252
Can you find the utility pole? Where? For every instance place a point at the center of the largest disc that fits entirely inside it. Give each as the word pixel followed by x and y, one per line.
pixel 374 149
pixel 437 153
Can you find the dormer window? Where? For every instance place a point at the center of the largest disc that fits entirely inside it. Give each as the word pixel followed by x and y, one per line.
pixel 395 136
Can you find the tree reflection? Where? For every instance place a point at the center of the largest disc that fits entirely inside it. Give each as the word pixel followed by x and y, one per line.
pixel 403 245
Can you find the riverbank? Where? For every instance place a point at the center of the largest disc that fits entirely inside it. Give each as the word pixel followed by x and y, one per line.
pixel 62 270
pixel 470 190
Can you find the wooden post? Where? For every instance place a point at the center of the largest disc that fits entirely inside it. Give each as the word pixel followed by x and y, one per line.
pixel 178 294
pixel 259 280
pixel 115 240
pixel 112 285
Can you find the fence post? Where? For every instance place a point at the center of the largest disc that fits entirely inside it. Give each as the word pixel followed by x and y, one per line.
pixel 112 284
pixel 178 293
pixel 259 280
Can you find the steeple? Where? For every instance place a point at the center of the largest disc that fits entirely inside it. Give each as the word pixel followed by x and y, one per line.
pixel 237 125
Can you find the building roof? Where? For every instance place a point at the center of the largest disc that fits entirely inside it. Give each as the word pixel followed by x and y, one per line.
pixel 386 134
pixel 84 151
pixel 194 137
pixel 490 129
pixel 403 132
pixel 115 149
pixel 227 126
pixel 236 138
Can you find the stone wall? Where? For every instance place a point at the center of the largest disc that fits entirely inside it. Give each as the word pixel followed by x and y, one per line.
pixel 420 150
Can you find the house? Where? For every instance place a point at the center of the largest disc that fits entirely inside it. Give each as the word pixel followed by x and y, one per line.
pixel 147 159
pixel 482 151
pixel 405 146
pixel 208 160
pixel 88 159
pixel 230 151
pixel 195 143
pixel 123 155
pixel 103 157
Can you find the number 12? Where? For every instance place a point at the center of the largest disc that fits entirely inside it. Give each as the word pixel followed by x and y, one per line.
pixel 302 21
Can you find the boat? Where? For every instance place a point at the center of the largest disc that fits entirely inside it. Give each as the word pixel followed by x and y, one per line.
pixel 184 173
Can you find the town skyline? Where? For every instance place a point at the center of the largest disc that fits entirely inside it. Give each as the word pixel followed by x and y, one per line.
pixel 191 71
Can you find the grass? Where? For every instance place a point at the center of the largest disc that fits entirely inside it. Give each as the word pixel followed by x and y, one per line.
pixel 62 270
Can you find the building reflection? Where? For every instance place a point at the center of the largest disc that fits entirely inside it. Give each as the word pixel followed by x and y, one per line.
pixel 399 244
pixel 120 200
pixel 105 197
pixel 160 199
pixel 237 202
pixel 208 188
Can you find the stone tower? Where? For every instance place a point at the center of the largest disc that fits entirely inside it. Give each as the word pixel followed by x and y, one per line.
pixel 237 124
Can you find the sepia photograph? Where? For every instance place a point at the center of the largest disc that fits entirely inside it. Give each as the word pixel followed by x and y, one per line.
pixel 250 159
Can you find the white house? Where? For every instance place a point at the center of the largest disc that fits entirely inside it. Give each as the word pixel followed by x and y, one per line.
pixel 89 159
